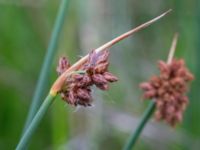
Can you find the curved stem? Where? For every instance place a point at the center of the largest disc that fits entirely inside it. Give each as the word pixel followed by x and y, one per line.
pixel 45 70
pixel 149 111
pixel 35 122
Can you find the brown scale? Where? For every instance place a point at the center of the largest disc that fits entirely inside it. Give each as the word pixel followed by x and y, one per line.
pixel 169 90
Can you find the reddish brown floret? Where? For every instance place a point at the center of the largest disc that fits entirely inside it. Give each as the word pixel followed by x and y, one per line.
pixel 169 90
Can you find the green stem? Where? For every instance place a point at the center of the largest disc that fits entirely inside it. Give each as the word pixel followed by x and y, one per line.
pixel 45 70
pixel 131 142
pixel 35 122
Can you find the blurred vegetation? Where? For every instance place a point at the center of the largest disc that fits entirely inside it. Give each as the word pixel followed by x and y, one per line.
pixel 25 28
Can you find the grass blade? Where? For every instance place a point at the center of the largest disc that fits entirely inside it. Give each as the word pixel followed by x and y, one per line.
pixel 43 78
pixel 35 122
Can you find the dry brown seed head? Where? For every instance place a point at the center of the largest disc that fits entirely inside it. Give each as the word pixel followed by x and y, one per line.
pixel 169 90
pixel 76 90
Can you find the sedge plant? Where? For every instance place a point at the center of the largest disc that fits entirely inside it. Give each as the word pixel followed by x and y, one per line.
pixel 75 69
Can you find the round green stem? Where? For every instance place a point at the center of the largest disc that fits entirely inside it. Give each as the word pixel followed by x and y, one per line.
pixel 131 142
pixel 45 70
pixel 35 122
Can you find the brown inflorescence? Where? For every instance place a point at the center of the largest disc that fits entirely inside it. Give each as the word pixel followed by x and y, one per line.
pixel 77 87
pixel 168 90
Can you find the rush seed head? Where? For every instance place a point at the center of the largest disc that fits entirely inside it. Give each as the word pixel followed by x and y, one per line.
pixel 77 87
pixel 169 89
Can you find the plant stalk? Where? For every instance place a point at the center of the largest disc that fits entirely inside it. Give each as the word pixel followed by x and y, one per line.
pixel 45 70
pixel 35 122
pixel 149 111
pixel 147 114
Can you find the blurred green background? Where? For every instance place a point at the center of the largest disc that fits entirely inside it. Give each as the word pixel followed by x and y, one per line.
pixel 25 29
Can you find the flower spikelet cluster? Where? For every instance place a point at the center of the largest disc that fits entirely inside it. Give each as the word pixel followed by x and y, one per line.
pixel 77 87
pixel 168 90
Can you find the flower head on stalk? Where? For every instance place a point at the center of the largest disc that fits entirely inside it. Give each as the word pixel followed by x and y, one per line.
pixel 169 88
pixel 77 87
